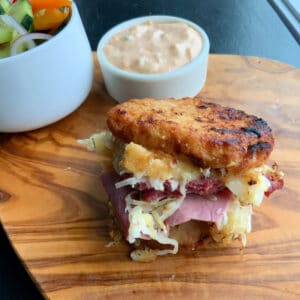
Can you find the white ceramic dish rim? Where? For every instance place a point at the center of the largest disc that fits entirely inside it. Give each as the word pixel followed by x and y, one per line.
pixel 150 77
pixel 44 44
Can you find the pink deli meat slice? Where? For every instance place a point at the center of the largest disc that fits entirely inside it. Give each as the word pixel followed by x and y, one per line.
pixel 201 186
pixel 276 184
pixel 117 199
pixel 195 207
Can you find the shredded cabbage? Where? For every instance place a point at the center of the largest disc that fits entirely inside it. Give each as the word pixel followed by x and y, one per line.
pixel 150 205
pixel 169 209
pixel 157 184
pixel 167 241
pixel 174 184
pixel 128 181
pixel 143 224
pixel 146 219
pixel 99 141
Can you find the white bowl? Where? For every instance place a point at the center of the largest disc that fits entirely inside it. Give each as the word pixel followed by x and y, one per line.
pixel 186 81
pixel 48 82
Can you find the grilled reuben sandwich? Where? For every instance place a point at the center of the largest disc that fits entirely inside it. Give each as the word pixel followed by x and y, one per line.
pixel 184 171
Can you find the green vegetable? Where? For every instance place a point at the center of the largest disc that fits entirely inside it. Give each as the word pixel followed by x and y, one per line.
pixel 6 34
pixel 21 11
pixel 27 22
pixel 4 6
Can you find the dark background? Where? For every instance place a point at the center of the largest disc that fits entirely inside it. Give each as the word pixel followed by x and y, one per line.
pixel 245 27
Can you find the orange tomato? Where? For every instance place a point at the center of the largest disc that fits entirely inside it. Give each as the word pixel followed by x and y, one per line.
pixel 41 4
pixel 47 19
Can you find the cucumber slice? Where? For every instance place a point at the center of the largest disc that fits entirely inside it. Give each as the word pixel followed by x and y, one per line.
pixel 4 6
pixel 6 34
pixel 27 22
pixel 21 11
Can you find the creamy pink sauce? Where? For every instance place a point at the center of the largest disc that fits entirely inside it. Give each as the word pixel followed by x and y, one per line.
pixel 154 47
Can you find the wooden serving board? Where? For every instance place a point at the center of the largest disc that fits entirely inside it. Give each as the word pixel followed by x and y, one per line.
pixel 54 211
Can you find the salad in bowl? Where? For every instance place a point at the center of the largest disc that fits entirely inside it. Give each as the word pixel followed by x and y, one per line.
pixel 50 78
pixel 24 24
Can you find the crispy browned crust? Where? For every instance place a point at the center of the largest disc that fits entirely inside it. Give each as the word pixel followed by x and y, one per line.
pixel 209 134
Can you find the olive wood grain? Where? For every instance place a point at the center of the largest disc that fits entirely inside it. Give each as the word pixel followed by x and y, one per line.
pixel 54 210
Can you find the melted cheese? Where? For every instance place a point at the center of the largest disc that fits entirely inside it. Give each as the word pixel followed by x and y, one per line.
pixel 251 187
pixel 158 165
pixel 238 223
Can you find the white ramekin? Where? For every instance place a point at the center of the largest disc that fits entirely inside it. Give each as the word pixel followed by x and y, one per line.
pixel 186 81
pixel 48 82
